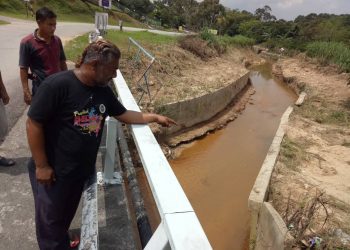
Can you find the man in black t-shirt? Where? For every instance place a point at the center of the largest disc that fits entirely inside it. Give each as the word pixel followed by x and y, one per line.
pixel 64 128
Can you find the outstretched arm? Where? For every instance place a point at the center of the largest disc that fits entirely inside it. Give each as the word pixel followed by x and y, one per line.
pixel 142 118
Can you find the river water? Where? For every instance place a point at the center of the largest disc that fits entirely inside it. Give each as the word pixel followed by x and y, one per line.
pixel 218 172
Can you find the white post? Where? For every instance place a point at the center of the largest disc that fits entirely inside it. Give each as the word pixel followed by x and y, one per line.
pixel 159 240
pixel 109 176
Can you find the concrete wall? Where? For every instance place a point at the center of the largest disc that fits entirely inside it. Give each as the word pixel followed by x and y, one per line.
pixel 272 231
pixel 260 189
pixel 193 111
pixel 267 229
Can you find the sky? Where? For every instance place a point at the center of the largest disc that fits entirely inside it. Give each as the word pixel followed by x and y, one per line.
pixel 290 9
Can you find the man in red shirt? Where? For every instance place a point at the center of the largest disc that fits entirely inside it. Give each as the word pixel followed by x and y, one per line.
pixel 41 52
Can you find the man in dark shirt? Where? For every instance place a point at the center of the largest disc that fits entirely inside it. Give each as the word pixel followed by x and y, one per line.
pixel 64 128
pixel 42 52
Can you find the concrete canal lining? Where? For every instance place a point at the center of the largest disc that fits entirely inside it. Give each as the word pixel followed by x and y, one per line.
pixel 188 113
pixel 268 230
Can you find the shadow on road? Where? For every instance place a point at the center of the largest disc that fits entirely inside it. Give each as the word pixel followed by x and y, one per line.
pixel 19 168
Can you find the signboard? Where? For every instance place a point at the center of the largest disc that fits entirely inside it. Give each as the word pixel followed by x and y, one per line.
pixel 107 4
pixel 214 32
pixel 101 22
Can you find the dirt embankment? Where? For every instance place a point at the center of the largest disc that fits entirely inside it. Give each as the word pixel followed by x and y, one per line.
pixel 178 74
pixel 311 181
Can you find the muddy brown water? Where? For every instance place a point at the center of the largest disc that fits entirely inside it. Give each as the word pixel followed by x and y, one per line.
pixel 218 171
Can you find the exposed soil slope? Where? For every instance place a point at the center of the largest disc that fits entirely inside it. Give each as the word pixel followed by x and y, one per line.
pixel 315 154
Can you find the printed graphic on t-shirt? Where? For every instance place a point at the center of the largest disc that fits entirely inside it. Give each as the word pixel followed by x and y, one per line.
pixel 89 121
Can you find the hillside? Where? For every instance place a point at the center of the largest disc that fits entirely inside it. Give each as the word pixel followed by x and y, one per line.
pixel 73 10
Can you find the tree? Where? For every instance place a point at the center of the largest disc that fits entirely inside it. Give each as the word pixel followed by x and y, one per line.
pixel 253 29
pixel 208 12
pixel 233 19
pixel 264 14
pixel 141 7
pixel 176 12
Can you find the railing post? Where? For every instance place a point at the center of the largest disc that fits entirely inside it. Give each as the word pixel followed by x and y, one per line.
pixel 159 240
pixel 109 176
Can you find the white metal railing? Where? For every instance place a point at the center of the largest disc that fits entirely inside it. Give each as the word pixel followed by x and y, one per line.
pixel 143 80
pixel 179 227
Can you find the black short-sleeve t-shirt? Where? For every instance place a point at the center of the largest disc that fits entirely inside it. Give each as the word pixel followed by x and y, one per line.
pixel 73 116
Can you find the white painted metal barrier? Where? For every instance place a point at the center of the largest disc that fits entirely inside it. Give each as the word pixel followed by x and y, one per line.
pixel 180 227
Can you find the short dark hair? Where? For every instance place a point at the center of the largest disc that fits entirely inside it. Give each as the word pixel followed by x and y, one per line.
pixel 101 50
pixel 44 13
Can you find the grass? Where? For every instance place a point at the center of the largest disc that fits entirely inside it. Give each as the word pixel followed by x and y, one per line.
pixel 75 47
pixel 220 43
pixel 292 153
pixel 330 52
pixel 69 11
pixel 238 40
pixel 318 111
pixel 3 22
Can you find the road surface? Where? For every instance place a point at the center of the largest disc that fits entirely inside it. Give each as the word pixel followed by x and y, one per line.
pixel 10 37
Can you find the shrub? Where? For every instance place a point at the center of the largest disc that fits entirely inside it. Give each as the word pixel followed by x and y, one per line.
pixel 213 41
pixel 330 52
pixel 238 40
pixel 287 43
pixel 197 46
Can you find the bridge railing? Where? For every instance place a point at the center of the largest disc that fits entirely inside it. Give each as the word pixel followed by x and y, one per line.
pixel 179 227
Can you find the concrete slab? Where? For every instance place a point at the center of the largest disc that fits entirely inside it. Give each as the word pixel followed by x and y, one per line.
pixel 17 225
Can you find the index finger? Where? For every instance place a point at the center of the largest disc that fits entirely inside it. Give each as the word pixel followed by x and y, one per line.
pixel 172 121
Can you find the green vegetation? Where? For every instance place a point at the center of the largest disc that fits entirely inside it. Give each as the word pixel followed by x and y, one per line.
pixel 330 52
pixel 262 27
pixel 324 36
pixel 319 111
pixel 143 37
pixel 73 11
pixel 292 153
pixel 14 8
pixel 215 42
pixel 3 22
pixel 238 40
pixel 220 43
pixel 75 47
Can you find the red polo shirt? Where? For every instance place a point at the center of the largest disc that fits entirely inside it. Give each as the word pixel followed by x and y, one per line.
pixel 42 58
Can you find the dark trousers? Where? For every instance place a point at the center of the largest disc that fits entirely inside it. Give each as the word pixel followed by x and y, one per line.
pixel 55 207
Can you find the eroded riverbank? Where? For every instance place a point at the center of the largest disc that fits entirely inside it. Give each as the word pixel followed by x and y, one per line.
pixel 218 171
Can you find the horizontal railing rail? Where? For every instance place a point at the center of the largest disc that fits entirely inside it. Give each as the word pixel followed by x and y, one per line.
pixel 179 227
